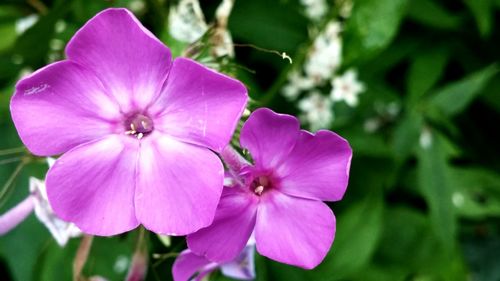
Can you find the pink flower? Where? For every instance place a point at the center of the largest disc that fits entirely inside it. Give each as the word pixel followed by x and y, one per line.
pixel 189 266
pixel 135 129
pixel 279 196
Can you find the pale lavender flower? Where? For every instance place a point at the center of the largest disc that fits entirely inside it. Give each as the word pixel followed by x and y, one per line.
pixel 189 266
pixel 37 201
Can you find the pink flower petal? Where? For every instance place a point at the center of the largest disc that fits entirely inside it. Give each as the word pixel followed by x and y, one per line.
pixel 16 215
pixel 178 185
pixel 317 167
pixel 199 105
pixel 188 264
pixel 234 222
pixel 61 106
pixel 93 185
pixel 293 230
pixel 130 60
pixel 269 137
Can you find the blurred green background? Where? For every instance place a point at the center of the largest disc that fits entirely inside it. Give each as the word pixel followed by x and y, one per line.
pixel 423 201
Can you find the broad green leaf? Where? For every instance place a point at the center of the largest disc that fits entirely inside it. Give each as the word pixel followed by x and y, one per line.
pixel 455 97
pixel 430 13
pixel 483 13
pixel 477 193
pixel 372 26
pixel 425 70
pixel 434 183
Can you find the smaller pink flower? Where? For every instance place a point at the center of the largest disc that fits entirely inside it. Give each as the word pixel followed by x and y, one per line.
pixel 278 197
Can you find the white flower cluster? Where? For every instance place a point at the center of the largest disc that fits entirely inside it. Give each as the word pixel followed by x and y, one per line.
pixel 320 68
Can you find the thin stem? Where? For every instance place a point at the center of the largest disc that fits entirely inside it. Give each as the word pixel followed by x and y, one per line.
pixel 139 264
pixel 81 257
pixel 9 151
pixel 162 257
pixel 10 160
pixel 283 55
pixel 9 182
pixel 39 6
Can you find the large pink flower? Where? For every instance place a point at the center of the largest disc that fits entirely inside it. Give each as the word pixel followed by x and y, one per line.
pixel 279 196
pixel 135 129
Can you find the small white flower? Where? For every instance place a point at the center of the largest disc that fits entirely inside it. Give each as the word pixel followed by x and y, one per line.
pixel 325 55
pixel 347 88
pixel 186 21
pixel 296 84
pixel 60 230
pixel 316 110
pixel 25 23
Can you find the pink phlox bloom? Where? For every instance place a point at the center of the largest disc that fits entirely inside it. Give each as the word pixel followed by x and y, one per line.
pixel 137 130
pixel 189 266
pixel 278 197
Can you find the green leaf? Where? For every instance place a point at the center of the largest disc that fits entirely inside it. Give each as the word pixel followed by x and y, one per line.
pixel 40 34
pixel 434 184
pixel 455 97
pixel 483 13
pixel 406 135
pixel 425 70
pixel 477 193
pixel 268 24
pixel 8 35
pixel 356 238
pixel 109 257
pixel 411 231
pixel 428 12
pixel 372 26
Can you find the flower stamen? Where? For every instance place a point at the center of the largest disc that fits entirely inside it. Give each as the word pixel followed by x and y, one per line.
pixel 140 125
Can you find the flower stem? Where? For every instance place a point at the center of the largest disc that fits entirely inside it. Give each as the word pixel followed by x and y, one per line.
pixel 9 151
pixel 81 257
pixel 7 186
